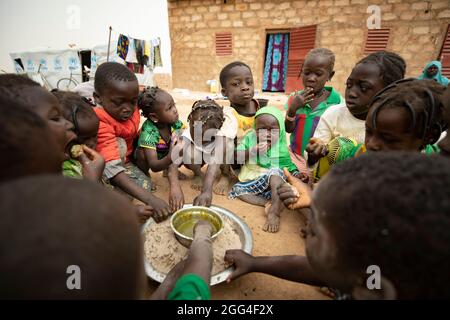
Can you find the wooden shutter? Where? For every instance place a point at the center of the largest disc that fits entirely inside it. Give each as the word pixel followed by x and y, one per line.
pixel 445 54
pixel 377 40
pixel 224 44
pixel 301 41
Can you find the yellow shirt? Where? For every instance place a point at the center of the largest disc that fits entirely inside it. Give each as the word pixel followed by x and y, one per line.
pixel 245 124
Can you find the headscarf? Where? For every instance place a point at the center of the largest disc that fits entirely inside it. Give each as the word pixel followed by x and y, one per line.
pixel 438 76
pixel 278 155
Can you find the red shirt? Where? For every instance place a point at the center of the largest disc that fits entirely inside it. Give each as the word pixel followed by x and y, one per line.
pixel 110 129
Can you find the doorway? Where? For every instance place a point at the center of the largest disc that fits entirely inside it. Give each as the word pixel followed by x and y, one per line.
pixel 276 61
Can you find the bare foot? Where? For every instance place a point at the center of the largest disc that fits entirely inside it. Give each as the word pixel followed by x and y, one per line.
pixel 222 186
pixel 272 224
pixel 197 183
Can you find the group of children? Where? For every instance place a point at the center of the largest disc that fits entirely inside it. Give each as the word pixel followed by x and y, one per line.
pixel 244 148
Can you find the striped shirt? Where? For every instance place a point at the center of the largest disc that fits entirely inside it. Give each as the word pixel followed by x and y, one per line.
pixel 306 119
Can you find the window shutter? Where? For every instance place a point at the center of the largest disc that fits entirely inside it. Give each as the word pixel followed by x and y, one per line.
pixel 445 54
pixel 224 44
pixel 377 40
pixel 301 41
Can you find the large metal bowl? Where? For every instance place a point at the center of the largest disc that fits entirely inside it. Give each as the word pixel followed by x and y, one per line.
pixel 189 214
pixel 241 227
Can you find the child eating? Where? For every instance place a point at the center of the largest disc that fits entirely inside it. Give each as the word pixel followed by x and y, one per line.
pixel 26 141
pixel 265 152
pixel 305 107
pixel 80 113
pixel 116 94
pixel 362 216
pixel 369 76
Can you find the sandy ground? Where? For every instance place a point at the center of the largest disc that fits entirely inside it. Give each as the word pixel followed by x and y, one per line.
pixel 286 242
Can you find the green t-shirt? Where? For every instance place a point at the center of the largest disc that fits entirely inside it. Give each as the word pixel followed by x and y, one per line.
pixel 190 287
pixel 151 138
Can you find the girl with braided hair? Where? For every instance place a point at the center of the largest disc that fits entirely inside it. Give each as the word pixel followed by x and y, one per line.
pixel 158 138
pixel 209 140
pixel 407 115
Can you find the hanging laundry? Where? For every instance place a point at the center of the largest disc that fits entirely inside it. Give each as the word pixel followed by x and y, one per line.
pixel 131 56
pixel 122 46
pixel 147 46
pixel 158 60
pixel 139 51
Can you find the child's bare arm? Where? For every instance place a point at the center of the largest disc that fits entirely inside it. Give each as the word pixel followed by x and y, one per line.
pixel 155 164
pixel 176 197
pixel 160 207
pixel 200 256
pixel 292 268
pixel 205 197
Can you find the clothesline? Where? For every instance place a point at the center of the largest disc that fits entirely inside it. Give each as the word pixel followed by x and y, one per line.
pixel 137 53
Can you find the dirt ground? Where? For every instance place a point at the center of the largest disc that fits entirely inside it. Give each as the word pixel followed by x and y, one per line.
pixel 286 242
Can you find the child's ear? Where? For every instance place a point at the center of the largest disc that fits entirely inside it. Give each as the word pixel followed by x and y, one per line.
pixel 224 92
pixel 152 116
pixel 331 75
pixel 97 98
pixel 386 292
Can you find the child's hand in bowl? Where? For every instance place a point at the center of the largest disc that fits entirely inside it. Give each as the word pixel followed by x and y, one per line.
pixel 203 229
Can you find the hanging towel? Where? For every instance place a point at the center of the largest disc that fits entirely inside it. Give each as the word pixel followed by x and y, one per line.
pixel 122 46
pixel 158 60
pixel 139 51
pixel 131 56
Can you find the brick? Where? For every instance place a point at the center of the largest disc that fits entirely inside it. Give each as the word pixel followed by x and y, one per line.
pixel 228 7
pixel 202 9
pixel 235 15
pixel 225 23
pixel 341 2
pixel 222 16
pixel 196 17
pixel 213 24
pixel 325 3
pixel 248 14
pixel 421 30
pixel 440 4
pixel 359 2
pixel 213 8
pixel 194 3
pixel 189 10
pixel 242 7
pixel 299 4
pixel 389 16
pixel 279 21
pixel 268 6
pixel 311 4
pixel 262 14
pixel 420 5
pixel 238 23
pixel 408 15
pixel 239 44
pixel 255 6
pixel 200 25
pixel 209 16
pixel 284 6
pixel 444 14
